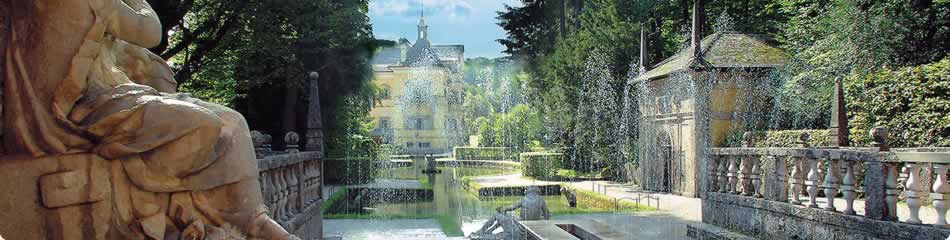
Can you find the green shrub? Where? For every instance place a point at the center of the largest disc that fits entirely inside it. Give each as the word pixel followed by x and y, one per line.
pixel 334 202
pixel 782 138
pixel 482 153
pixel 541 165
pixel 593 200
pixel 913 103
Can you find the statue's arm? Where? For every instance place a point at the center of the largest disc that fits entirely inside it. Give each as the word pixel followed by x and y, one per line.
pixel 514 206
pixel 136 22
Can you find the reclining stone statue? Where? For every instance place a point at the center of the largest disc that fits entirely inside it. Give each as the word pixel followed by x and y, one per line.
pixel 501 219
pixel 532 205
pixel 178 167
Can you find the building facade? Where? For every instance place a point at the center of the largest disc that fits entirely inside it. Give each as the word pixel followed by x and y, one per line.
pixel 421 107
pixel 691 102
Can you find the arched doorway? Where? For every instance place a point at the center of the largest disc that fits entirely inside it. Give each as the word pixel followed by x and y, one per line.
pixel 664 154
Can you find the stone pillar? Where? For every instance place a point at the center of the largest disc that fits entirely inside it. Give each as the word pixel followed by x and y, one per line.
pixel 314 135
pixel 875 179
pixel 875 173
pixel 839 118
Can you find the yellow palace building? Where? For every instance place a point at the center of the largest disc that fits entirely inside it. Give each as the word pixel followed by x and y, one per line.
pixel 421 109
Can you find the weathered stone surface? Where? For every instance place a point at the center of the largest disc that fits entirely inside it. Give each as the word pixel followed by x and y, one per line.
pixel 776 220
pixel 776 184
pixel 79 79
pixel 874 189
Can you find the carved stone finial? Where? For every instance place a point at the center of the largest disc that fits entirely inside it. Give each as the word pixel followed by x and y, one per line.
pixel 314 75
pixel 267 142
pixel 879 139
pixel 257 138
pixel 292 138
pixel 747 139
pixel 803 139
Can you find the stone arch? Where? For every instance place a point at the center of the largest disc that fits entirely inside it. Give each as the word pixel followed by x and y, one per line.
pixel 664 157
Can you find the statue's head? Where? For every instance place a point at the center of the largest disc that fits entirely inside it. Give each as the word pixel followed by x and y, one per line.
pixel 533 191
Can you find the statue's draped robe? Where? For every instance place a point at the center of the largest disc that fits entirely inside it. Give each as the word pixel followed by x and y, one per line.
pixel 63 94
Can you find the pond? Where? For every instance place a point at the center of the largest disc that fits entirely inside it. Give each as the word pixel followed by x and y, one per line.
pixel 458 211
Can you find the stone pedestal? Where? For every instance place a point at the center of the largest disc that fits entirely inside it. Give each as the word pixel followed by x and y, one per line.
pixel 61 197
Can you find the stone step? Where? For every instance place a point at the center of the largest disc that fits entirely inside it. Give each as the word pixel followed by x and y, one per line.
pixel 703 231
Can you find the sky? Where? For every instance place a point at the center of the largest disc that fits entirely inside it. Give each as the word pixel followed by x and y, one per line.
pixel 467 22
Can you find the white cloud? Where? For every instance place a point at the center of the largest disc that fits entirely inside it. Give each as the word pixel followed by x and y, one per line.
pixel 408 10
pixel 387 7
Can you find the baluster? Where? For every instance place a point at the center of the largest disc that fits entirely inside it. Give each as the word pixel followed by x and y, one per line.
pixel 282 196
pixel 812 181
pixel 265 188
pixel 724 173
pixel 714 173
pixel 745 178
pixel 831 183
pixel 307 183
pixel 278 192
pixel 797 181
pixel 756 177
pixel 294 188
pixel 849 187
pixel 891 191
pixel 733 174
pixel 914 190
pixel 940 194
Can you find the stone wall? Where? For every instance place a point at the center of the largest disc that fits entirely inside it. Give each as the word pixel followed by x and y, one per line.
pixel 778 220
pixel 797 193
pixel 291 185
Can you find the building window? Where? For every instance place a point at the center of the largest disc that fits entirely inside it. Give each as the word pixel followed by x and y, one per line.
pixel 410 145
pixel 425 145
pixel 386 92
pixel 384 123
pixel 419 123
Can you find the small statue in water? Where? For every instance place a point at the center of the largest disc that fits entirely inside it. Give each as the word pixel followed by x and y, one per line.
pixel 571 197
pixel 510 228
pixel 532 205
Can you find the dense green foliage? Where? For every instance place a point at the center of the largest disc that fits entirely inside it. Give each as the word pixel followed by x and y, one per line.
pixel 518 129
pixel 912 102
pixel 566 49
pixel 253 55
pixel 833 38
pixel 541 165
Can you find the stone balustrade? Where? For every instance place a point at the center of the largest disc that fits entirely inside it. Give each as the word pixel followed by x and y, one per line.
pixel 290 182
pixel 870 177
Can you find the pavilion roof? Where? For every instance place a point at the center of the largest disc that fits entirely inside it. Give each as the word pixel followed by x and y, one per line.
pixel 724 50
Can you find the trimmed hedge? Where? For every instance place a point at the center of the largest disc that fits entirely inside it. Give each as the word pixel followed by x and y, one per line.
pixel 541 165
pixel 789 138
pixel 482 153
pixel 783 138
pixel 912 103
